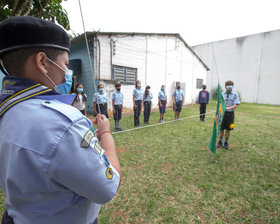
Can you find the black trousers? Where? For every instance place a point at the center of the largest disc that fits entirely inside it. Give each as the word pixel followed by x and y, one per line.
pixel 147 110
pixel 137 112
pixel 118 112
pixel 103 109
pixel 202 111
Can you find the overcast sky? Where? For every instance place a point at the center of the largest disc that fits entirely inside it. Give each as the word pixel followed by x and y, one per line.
pixel 197 21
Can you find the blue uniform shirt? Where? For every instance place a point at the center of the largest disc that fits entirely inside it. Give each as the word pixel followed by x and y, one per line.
pixel 178 94
pixel 149 97
pixel 52 168
pixel 117 96
pixel 203 97
pixel 99 98
pixel 138 94
pixel 231 99
pixel 162 95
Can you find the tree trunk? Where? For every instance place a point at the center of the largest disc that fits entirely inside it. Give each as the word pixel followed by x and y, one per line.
pixel 20 7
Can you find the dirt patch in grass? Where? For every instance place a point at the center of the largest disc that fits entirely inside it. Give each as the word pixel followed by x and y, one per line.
pixel 122 150
pixel 166 167
pixel 120 213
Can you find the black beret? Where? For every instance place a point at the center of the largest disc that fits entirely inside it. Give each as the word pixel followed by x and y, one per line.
pixel 27 31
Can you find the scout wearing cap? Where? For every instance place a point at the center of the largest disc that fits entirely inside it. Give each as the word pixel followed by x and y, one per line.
pixel 30 32
pixel 53 169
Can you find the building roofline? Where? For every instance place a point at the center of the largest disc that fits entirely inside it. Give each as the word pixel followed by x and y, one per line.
pixel 237 37
pixel 81 37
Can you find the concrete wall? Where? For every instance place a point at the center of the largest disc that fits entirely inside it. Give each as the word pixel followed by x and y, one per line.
pixel 252 62
pixel 159 60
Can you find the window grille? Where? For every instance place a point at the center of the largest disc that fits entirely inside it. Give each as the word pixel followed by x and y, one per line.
pixel 124 75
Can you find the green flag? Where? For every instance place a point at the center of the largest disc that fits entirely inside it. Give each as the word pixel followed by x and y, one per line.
pixel 218 120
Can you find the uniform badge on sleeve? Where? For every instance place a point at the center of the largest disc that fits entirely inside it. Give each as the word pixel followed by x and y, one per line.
pixel 87 139
pixel 109 173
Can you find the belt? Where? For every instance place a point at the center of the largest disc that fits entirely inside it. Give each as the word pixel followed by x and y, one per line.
pixel 102 104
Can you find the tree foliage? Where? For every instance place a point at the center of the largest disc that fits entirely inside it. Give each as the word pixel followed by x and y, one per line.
pixel 45 9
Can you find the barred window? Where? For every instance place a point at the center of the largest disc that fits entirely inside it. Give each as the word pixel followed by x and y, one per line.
pixel 199 83
pixel 124 75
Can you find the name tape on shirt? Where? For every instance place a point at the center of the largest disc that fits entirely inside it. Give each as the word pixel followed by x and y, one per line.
pixel 87 139
pixel 98 148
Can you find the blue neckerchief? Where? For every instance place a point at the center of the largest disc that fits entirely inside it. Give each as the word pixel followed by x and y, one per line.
pixel 17 89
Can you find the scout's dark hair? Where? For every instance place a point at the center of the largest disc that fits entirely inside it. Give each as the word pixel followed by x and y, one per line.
pixel 99 85
pixel 118 84
pixel 204 87
pixel 77 98
pixel 229 83
pixel 14 61
pixel 136 83
pixel 146 91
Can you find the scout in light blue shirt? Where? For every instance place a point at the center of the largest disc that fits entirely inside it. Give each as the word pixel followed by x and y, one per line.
pixel 100 97
pixel 138 93
pixel 231 101
pixel 117 96
pixel 100 100
pixel 178 94
pixel 162 100
pixel 137 97
pixel 54 172
pixel 231 98
pixel 149 97
pixel 162 95
pixel 117 101
pixel 178 99
pixel 52 168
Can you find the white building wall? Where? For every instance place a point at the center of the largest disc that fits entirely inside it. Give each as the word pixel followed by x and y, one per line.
pixel 251 62
pixel 159 60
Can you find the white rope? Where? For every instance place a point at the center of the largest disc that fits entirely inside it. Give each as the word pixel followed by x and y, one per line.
pixel 166 122
pixel 89 59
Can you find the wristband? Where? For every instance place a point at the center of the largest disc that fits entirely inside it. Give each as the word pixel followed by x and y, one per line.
pixel 103 132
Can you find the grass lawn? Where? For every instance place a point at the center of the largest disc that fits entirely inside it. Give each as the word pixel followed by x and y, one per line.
pixel 170 176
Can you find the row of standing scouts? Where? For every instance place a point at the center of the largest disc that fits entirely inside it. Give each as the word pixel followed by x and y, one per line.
pixel 140 97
